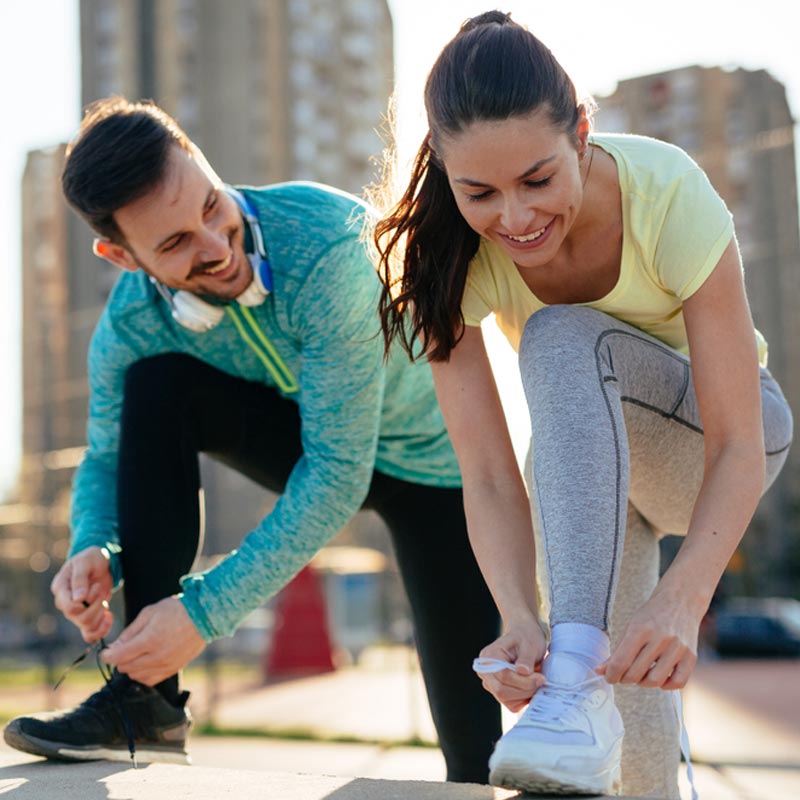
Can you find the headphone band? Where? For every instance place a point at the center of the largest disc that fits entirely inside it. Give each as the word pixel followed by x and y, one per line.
pixel 200 316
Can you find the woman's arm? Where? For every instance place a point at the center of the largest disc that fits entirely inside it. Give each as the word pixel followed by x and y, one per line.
pixel 725 370
pixel 497 510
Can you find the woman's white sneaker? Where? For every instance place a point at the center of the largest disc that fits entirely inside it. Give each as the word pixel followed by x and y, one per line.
pixel 568 740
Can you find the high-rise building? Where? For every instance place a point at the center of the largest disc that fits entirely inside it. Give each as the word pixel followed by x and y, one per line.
pixel 60 305
pixel 738 126
pixel 63 287
pixel 271 90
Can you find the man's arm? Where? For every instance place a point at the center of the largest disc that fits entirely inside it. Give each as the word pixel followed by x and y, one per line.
pixel 93 513
pixel 82 587
pixel 341 392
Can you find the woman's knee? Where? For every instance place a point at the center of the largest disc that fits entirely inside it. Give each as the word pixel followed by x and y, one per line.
pixel 778 427
pixel 554 326
pixel 558 338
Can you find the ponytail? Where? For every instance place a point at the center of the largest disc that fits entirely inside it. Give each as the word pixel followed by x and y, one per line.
pixel 493 69
pixel 437 246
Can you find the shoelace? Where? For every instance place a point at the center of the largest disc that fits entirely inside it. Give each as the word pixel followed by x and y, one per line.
pixel 108 675
pixel 486 666
pixel 556 701
pixel 677 704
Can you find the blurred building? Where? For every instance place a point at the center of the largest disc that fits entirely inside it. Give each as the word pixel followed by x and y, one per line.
pixel 738 126
pixel 271 90
pixel 60 305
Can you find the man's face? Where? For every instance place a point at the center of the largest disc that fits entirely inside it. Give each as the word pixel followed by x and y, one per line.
pixel 187 232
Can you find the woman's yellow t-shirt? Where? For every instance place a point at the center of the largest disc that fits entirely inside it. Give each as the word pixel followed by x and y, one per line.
pixel 675 229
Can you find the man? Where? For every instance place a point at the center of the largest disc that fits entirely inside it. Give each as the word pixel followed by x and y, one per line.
pixel 244 326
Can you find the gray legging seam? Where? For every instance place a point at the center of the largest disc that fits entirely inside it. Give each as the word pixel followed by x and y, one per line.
pixel 666 414
pixel 618 459
pixel 545 540
pixel 778 452
pixel 670 415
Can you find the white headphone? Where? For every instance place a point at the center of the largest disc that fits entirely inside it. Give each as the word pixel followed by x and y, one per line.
pixel 199 315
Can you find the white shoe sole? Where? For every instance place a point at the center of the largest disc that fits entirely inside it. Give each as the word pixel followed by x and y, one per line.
pixel 144 756
pixel 517 772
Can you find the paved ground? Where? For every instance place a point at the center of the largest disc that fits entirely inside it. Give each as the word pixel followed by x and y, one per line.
pixel 105 781
pixel 743 719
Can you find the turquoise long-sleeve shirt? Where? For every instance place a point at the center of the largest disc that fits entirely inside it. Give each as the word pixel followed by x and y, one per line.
pixel 316 340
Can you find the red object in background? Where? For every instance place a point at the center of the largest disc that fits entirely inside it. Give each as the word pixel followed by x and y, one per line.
pixel 301 642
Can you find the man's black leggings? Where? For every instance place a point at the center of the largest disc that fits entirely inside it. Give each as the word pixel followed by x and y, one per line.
pixel 176 407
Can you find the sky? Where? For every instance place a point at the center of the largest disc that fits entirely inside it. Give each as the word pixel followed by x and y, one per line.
pixel 598 44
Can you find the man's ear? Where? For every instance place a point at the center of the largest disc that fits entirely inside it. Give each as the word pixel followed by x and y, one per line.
pixel 584 128
pixel 115 254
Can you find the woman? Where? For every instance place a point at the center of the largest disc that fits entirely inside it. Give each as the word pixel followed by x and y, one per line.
pixel 606 260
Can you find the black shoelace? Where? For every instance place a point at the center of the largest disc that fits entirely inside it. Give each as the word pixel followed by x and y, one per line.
pixel 108 675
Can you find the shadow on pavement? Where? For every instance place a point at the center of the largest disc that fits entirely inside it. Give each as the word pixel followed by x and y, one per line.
pixel 372 789
pixel 39 779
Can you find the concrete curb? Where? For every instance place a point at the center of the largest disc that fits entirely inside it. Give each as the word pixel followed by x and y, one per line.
pixel 102 780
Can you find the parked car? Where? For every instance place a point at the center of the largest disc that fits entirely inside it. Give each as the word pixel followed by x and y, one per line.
pixel 758 627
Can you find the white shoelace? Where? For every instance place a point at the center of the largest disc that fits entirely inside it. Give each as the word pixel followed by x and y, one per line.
pixel 556 702
pixel 486 666
pixel 677 704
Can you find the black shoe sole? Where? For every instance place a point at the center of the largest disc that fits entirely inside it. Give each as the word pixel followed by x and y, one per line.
pixel 59 751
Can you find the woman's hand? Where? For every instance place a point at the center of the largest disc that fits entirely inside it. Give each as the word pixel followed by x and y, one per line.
pixel 659 647
pixel 523 645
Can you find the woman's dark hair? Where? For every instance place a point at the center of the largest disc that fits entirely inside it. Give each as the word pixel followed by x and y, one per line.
pixel 493 69
pixel 118 156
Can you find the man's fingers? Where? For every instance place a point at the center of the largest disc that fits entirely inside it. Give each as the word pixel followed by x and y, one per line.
pixel 89 616
pixel 98 631
pixel 80 582
pixel 143 669
pixel 132 643
pixel 60 582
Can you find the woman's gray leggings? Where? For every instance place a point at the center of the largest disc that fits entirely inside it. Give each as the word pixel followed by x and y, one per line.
pixel 617 458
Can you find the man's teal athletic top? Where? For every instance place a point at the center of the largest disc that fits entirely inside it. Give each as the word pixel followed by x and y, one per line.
pixel 316 339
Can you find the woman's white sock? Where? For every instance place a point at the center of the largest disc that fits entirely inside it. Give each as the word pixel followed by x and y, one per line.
pixel 586 642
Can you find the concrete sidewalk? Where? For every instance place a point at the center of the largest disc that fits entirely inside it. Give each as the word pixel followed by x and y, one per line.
pixel 25 780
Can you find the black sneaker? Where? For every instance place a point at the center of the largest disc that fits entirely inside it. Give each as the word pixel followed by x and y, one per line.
pixel 124 715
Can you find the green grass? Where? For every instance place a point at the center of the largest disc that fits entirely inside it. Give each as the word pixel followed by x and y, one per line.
pixel 304 735
pixel 86 676
pixel 284 734
pixel 32 676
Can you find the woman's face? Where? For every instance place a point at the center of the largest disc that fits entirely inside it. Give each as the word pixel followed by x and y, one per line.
pixel 517 182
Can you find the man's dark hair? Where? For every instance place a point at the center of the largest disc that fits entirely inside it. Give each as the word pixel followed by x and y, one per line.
pixel 118 156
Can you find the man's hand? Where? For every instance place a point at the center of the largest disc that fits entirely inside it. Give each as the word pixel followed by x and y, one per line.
pixel 158 643
pixel 81 591
pixel 524 646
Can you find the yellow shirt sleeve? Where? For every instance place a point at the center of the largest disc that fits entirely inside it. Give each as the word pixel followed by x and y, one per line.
pixel 695 230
